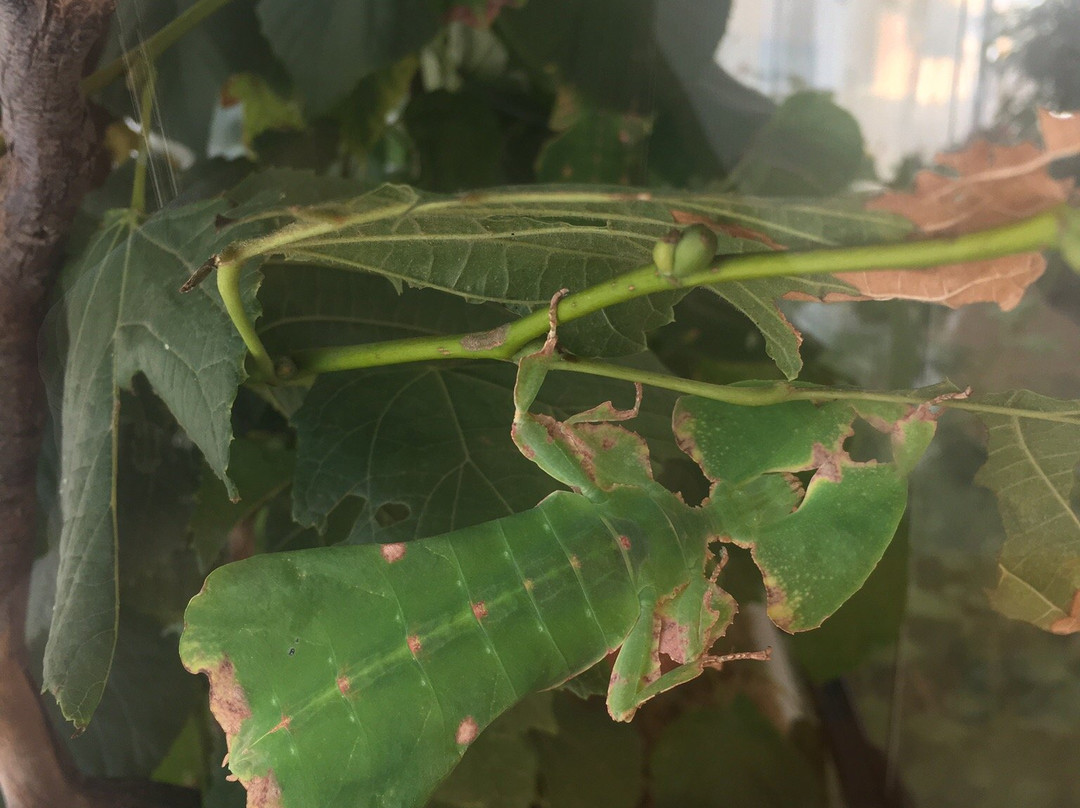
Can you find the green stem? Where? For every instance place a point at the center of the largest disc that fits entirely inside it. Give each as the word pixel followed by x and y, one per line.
pixel 152 48
pixel 764 394
pixel 146 108
pixel 1037 233
pixel 228 279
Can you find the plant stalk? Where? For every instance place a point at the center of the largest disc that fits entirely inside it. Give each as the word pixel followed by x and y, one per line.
pixel 762 394
pixel 150 49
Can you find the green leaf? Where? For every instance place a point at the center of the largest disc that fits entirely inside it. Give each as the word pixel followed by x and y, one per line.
pixel 330 45
pixel 810 147
pixel 732 757
pixel 432 441
pixel 124 316
pixel 264 109
pixel 850 509
pixel 458 139
pixel 757 300
pixel 260 469
pixel 1034 448
pixel 518 247
pixel 593 144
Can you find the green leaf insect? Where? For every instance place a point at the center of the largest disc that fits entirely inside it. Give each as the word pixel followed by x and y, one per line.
pixel 359 675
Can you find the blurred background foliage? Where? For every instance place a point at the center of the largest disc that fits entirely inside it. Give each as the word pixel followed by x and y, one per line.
pixel 915 693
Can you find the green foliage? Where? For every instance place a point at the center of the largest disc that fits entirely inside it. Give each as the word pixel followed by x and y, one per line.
pixel 462 626
pixel 1031 468
pixel 124 317
pixel 333 44
pixel 364 354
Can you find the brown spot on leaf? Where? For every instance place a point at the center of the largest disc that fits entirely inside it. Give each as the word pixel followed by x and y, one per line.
pixel 829 463
pixel 780 610
pixel 624 542
pixel 1070 624
pixel 228 701
pixel 343 685
pixel 467 731
pixel 393 552
pixel 414 644
pixel 528 585
pixel 479 610
pixel 282 724
pixel 674 640
pixel 264 791
pixel 981 186
pixel 575 562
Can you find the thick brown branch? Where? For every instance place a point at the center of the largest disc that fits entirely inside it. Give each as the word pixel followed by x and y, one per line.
pixel 51 151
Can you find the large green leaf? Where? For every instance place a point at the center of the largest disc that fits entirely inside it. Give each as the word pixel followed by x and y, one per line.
pixel 429 444
pixel 124 316
pixel 517 247
pixel 329 45
pixel 1034 449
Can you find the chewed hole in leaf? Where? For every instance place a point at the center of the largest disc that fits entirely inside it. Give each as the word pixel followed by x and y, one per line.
pixel 390 513
pixel 868 443
pixel 683 476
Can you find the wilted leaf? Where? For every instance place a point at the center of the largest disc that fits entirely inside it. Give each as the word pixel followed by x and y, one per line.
pixel 982 186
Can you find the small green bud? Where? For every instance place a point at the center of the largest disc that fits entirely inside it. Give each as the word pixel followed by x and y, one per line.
pixel 695 250
pixel 663 253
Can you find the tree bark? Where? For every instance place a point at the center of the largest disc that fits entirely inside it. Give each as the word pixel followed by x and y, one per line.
pixel 51 151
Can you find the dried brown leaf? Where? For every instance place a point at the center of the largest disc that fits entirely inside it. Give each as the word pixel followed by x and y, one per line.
pixel 981 186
